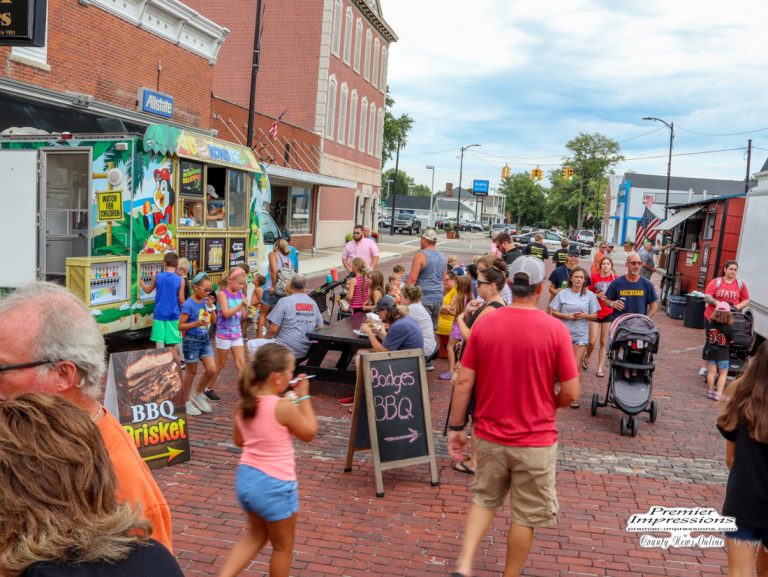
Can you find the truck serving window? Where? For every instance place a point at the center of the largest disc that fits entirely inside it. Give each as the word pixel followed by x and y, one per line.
pixel 191 193
pixel 238 193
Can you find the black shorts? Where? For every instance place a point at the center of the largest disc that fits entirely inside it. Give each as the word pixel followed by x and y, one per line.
pixel 607 319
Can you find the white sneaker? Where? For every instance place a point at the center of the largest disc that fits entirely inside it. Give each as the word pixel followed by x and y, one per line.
pixel 201 402
pixel 192 409
pixel 703 372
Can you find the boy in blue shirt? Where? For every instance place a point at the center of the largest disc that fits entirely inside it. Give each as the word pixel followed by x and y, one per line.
pixel 168 300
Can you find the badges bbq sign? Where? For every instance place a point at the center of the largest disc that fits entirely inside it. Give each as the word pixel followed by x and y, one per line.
pixel 144 392
pixel 22 22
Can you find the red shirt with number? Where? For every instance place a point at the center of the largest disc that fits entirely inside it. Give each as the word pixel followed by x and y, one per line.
pixel 730 292
pixel 517 355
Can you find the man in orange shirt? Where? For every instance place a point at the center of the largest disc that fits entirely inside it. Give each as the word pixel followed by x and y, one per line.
pixel 49 343
pixel 601 252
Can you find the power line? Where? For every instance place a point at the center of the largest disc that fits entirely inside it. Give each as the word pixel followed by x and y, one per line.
pixel 640 135
pixel 723 134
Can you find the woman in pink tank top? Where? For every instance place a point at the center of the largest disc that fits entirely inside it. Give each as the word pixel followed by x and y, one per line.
pixel 266 484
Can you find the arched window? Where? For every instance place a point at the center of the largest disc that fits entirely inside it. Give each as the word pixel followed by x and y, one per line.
pixel 375 75
pixel 383 83
pixel 352 119
pixel 330 115
pixel 358 44
pixel 380 130
pixel 340 135
pixel 348 37
pixel 363 124
pixel 372 129
pixel 336 34
pixel 367 65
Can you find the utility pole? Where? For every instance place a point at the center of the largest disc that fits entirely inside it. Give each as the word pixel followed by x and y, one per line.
pixel 671 126
pixel 458 201
pixel 394 190
pixel 432 197
pixel 254 73
pixel 749 163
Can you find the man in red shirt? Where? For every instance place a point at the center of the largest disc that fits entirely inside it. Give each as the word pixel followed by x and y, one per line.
pixel 516 398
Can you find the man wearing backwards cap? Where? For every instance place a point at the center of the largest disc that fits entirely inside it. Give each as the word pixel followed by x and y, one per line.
pixel 513 360
pixel 428 270
pixel 403 332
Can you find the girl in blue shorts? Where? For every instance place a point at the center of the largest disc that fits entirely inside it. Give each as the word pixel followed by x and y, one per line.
pixel 744 424
pixel 266 484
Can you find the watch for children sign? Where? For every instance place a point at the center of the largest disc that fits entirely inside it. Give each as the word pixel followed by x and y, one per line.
pixel 110 205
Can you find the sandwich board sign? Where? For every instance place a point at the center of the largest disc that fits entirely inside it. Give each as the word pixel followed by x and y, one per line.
pixel 144 393
pixel 390 415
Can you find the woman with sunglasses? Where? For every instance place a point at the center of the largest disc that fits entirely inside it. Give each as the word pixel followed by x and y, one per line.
pixel 197 314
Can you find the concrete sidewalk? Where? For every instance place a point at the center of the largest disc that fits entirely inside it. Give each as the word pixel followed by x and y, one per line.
pixel 323 260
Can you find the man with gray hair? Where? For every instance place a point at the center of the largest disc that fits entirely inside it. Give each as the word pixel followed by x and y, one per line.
pixel 632 293
pixel 51 344
pixel 293 317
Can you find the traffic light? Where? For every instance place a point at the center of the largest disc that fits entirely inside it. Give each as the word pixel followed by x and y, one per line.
pixel 506 172
pixel 567 173
pixel 537 174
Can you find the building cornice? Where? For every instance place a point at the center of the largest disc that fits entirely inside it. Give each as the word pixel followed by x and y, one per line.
pixel 377 21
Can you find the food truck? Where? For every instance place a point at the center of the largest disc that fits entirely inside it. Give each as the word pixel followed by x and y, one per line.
pixel 96 212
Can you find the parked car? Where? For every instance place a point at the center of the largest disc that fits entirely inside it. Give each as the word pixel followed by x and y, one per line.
pixel 586 236
pixel 471 226
pixel 407 222
pixel 498 228
pixel 552 241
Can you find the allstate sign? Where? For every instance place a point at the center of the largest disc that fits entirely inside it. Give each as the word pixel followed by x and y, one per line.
pixel 156 103
pixel 480 187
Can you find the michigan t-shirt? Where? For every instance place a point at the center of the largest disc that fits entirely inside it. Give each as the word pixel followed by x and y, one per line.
pixel 637 296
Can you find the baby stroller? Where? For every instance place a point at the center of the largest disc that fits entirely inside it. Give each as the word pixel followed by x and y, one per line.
pixel 322 294
pixel 632 342
pixel 738 352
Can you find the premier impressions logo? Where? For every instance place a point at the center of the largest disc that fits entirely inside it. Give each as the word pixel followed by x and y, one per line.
pixel 680 523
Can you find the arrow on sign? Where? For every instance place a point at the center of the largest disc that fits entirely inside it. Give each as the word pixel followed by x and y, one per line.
pixel 171 454
pixel 412 436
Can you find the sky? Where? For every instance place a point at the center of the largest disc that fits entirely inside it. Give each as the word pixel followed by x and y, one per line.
pixel 521 78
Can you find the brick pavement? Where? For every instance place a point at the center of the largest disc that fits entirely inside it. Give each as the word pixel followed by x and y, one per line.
pixel 415 530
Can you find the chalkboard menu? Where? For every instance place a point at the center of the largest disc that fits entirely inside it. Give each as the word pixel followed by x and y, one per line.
pixel 391 398
pixel 236 251
pixel 189 248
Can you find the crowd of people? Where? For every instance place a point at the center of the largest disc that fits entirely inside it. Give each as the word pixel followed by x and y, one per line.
pixel 78 500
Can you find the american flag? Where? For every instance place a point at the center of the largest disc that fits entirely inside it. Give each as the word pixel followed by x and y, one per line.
pixel 646 228
pixel 273 128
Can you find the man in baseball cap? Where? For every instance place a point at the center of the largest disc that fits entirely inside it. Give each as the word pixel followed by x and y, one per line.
pixel 403 331
pixel 428 271
pixel 515 356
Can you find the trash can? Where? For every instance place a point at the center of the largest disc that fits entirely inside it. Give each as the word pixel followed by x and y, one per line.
pixel 694 312
pixel 676 306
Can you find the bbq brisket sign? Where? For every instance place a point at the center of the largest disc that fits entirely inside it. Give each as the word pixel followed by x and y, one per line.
pixel 22 22
pixel 144 392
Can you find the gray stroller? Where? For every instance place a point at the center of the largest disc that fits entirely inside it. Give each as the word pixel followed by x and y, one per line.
pixel 632 342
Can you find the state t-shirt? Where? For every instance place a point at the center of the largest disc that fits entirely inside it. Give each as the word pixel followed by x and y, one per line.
pixel 517 355
pixel 730 292
pixel 637 296
pixel 296 315
pixel 745 494
pixel 403 334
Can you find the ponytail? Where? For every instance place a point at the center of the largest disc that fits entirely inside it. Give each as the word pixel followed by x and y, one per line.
pixel 270 358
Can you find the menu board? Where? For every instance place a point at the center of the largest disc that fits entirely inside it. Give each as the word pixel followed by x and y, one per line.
pixel 191 178
pixel 189 248
pixel 236 251
pixel 214 255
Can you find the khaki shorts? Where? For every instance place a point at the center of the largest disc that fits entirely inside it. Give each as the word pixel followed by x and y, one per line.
pixel 526 473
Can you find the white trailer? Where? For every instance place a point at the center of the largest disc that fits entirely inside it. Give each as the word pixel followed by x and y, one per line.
pixel 752 266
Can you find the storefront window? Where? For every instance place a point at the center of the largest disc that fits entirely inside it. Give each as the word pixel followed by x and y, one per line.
pixel 216 197
pixel 191 194
pixel 709 226
pixel 238 187
pixel 300 210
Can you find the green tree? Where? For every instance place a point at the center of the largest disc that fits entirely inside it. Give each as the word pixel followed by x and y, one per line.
pixel 592 158
pixel 400 186
pixel 395 129
pixel 526 199
pixel 421 190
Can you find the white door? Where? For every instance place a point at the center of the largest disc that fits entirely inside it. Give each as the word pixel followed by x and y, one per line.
pixel 19 222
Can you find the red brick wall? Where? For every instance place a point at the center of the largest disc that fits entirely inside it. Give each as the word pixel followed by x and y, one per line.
pixel 304 144
pixel 337 203
pixel 96 53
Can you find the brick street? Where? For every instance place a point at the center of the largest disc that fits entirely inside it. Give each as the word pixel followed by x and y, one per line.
pixel 415 530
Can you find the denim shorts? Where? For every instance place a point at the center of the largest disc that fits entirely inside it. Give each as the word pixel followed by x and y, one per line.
pixel 269 298
pixel 749 534
pixel 271 499
pixel 196 347
pixel 722 365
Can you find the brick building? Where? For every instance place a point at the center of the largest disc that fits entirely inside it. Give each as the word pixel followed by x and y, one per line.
pixel 330 80
pixel 98 54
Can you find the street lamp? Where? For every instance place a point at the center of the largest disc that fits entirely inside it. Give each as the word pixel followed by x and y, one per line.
pixel 461 169
pixel 410 188
pixel 671 126
pixel 432 197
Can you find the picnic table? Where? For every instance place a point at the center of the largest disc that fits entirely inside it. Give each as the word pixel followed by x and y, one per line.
pixel 338 336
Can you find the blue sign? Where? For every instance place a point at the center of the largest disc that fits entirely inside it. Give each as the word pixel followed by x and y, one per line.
pixel 156 103
pixel 480 187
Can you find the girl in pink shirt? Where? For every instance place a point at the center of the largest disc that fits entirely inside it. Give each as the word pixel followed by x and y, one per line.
pixel 266 484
